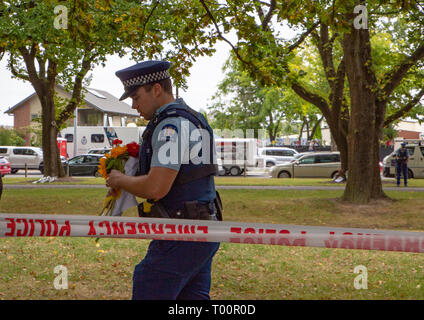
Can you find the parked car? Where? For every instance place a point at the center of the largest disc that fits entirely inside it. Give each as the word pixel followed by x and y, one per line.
pixel 4 167
pixel 21 156
pixel 99 150
pixel 83 165
pixel 62 159
pixel 415 162
pixel 276 155
pixel 309 165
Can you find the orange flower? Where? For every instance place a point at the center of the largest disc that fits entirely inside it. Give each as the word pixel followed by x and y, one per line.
pixel 102 168
pixel 117 151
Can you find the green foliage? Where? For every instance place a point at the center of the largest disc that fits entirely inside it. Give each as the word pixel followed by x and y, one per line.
pixel 11 137
pixel 44 50
pixel 242 103
pixel 389 133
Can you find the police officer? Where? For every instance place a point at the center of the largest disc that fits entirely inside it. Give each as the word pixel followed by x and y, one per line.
pixel 402 157
pixel 176 179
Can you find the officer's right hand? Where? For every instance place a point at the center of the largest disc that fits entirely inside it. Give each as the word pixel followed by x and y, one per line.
pixel 111 192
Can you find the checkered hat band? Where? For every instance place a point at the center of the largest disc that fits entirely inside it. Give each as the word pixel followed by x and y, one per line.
pixel 147 78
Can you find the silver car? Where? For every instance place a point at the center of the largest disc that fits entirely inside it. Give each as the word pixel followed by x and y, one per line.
pixel 276 155
pixel 309 165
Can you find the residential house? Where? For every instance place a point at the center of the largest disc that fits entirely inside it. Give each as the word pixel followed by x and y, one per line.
pixel 99 108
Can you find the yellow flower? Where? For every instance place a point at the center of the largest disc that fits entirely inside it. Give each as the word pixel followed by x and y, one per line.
pixel 102 168
pixel 117 151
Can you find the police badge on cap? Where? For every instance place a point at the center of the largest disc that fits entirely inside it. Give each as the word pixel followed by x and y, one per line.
pixel 142 73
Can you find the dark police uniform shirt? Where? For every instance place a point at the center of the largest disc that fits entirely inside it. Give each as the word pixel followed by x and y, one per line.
pixel 176 141
pixel 402 155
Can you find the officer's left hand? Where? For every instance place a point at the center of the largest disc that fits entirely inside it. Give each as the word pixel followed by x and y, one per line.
pixel 113 181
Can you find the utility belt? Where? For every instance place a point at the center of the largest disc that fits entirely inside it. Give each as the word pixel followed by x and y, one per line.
pixel 191 210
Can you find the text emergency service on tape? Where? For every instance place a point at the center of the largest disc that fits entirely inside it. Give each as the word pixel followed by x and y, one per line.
pixel 43 225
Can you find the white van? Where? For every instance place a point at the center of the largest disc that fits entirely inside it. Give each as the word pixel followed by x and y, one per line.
pixel 98 137
pixel 21 156
pixel 415 162
pixel 236 154
pixel 276 155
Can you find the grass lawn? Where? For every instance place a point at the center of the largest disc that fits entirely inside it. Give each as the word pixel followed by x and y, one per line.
pixel 221 181
pixel 239 271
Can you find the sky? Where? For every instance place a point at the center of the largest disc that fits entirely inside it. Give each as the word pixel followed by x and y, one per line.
pixel 205 75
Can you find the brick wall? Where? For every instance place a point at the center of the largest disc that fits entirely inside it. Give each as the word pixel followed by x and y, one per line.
pixel 408 134
pixel 22 118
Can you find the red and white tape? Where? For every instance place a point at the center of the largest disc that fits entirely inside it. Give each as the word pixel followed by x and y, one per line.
pixel 44 225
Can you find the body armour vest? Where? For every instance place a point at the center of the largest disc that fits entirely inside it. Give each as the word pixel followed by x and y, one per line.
pixel 194 181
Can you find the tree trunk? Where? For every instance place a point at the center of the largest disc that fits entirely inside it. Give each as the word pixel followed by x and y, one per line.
pixel 301 130
pixel 364 182
pixel 51 156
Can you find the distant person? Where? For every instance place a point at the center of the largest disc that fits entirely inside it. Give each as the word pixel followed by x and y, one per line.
pixel 311 146
pixel 402 158
pixel 1 186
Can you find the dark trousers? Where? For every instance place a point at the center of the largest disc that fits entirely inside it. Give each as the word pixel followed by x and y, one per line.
pixel 175 270
pixel 402 168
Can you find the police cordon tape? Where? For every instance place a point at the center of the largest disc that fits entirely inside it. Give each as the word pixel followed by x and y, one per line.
pixel 47 225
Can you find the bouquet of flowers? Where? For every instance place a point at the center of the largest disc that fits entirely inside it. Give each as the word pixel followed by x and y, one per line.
pixel 125 159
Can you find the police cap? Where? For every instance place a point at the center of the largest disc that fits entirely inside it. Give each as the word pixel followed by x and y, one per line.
pixel 403 144
pixel 142 73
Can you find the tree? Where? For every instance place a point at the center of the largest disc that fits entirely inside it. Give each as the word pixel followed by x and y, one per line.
pixel 11 137
pixel 56 42
pixel 362 87
pixel 242 103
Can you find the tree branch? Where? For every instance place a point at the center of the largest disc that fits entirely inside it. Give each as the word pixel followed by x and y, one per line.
pixel 28 57
pixel 76 91
pixel 259 11
pixel 395 76
pixel 14 71
pixel 235 50
pixel 302 37
pixel 404 110
pixel 42 68
pixel 148 18
pixel 310 97
pixel 325 48
pixel 268 16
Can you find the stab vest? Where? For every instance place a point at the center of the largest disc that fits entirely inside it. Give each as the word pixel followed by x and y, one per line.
pixel 194 181
pixel 403 155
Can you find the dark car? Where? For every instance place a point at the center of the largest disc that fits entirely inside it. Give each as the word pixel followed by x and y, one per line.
pixel 83 165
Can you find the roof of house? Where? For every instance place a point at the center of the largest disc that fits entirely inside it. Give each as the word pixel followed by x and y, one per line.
pixel 95 98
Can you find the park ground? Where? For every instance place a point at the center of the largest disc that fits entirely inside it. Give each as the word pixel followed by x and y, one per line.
pixel 240 271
